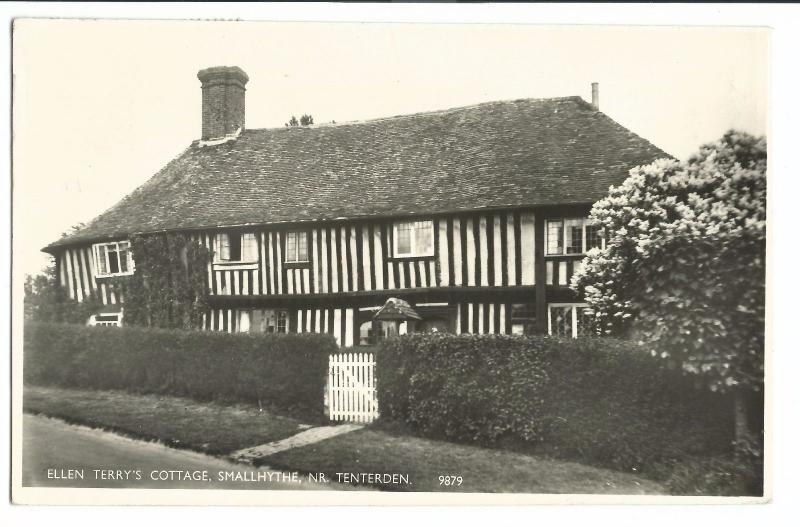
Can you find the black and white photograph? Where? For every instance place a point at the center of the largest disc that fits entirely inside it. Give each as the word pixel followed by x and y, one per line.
pixel 323 260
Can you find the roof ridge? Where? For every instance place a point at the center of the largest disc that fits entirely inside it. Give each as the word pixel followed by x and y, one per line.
pixel 422 113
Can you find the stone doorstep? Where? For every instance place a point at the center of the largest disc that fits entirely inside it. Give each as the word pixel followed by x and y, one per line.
pixel 306 437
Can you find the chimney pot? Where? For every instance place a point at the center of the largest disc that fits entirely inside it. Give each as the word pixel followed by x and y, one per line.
pixel 596 95
pixel 223 100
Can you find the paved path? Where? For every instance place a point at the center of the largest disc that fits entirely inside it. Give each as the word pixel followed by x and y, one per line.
pixel 307 437
pixel 56 454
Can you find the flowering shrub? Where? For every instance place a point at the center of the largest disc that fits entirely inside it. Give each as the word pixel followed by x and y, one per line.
pixel 683 269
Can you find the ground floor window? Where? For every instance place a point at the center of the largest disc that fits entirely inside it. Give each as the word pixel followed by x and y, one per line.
pixel 106 319
pixel 568 320
pixel 523 319
pixel 261 321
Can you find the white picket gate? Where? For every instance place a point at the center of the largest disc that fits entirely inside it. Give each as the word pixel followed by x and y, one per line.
pixel 351 387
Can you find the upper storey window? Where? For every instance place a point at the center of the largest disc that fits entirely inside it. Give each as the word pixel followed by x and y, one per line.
pixel 237 247
pixel 413 238
pixel 572 236
pixel 296 247
pixel 112 259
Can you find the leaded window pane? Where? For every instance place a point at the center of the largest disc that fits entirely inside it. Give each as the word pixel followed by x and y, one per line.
pixel 424 238
pixel 555 237
pixel 404 238
pixel 584 321
pixel 296 247
pixel 282 322
pixel 593 237
pixel 102 263
pixel 249 247
pixel 574 236
pixel 414 238
pixel 291 247
pixel 302 247
pixel 561 321
pixel 123 259
pixel 224 246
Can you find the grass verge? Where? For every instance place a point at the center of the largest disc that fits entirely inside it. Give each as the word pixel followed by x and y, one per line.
pixel 482 470
pixel 219 430
pixel 205 427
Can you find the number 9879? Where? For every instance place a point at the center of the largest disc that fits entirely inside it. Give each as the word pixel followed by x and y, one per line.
pixel 451 481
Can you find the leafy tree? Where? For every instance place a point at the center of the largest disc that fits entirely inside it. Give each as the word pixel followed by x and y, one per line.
pixel 305 120
pixel 683 269
pixel 45 300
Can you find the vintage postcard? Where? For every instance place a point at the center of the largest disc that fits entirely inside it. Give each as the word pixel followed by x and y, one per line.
pixel 329 263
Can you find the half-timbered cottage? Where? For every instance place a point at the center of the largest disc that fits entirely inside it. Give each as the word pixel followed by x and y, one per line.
pixel 471 220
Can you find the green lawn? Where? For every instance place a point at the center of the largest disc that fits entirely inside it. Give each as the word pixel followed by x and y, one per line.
pixel 205 427
pixel 221 429
pixel 482 470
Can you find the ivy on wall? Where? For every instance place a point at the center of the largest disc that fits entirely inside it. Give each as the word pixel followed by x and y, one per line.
pixel 168 289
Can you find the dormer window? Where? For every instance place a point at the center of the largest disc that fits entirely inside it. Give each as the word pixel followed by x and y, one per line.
pixel 572 236
pixel 296 247
pixel 112 259
pixel 237 247
pixel 413 238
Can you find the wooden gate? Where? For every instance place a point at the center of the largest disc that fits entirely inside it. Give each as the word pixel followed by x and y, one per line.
pixel 351 387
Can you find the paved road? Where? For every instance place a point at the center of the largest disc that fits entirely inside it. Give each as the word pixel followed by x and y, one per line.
pixel 56 454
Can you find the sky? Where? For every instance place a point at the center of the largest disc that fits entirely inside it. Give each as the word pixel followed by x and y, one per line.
pixel 101 106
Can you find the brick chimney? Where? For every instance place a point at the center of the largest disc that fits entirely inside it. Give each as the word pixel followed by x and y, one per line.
pixel 223 100
pixel 596 95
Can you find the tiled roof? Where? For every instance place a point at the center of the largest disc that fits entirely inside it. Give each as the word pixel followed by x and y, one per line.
pixel 494 155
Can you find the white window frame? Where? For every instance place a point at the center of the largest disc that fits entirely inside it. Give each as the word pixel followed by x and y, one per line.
pixel 413 253
pixel 218 249
pixel 278 313
pixel 584 224
pixel 115 244
pixel 574 306
pixel 297 246
pixel 108 323
pixel 240 314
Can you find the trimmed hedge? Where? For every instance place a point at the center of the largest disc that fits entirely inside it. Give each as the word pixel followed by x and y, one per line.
pixel 285 372
pixel 595 400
